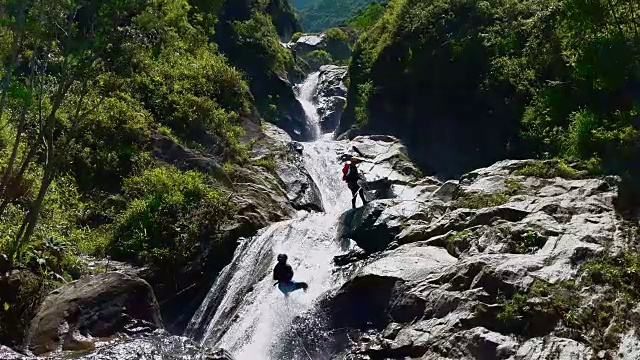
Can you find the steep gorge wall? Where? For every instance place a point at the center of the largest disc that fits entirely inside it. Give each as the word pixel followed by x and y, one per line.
pixel 467 83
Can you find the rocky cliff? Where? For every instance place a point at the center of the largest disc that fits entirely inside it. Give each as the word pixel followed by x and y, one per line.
pixel 507 262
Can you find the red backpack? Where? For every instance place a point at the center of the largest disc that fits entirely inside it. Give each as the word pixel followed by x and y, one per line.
pixel 345 168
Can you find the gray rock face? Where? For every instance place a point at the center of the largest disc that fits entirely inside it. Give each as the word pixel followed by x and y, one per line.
pixel 97 306
pixel 219 354
pixel 430 277
pixel 310 42
pixel 8 354
pixel 331 96
pixel 447 191
pixel 300 189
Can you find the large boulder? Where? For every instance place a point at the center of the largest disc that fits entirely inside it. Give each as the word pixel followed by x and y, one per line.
pixel 361 225
pixel 378 294
pixel 308 43
pixel 292 177
pixel 93 307
pixel 331 95
pixel 331 82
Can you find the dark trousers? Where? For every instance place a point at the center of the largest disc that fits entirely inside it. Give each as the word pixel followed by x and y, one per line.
pixel 355 189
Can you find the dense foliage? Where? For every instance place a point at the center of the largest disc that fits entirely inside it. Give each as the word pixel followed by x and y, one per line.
pixel 319 15
pixel 88 88
pixel 248 33
pixel 484 80
pixel 368 17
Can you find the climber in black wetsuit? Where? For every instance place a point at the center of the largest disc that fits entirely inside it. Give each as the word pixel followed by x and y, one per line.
pixel 351 177
pixel 283 274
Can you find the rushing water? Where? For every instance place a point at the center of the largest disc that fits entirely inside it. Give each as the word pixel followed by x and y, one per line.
pixel 305 92
pixel 251 315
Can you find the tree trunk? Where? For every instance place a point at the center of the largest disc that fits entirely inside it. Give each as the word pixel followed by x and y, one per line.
pixel 6 176
pixel 19 176
pixel 14 152
pixel 31 218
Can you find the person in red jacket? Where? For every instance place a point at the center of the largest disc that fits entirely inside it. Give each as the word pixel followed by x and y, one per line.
pixel 351 176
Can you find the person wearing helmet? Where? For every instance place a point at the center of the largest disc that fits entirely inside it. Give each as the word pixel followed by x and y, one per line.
pixel 351 177
pixel 283 275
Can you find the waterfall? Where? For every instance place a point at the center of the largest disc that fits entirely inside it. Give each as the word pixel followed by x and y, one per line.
pixel 244 312
pixel 305 92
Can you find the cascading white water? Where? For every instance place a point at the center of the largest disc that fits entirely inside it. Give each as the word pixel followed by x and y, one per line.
pixel 251 315
pixel 306 91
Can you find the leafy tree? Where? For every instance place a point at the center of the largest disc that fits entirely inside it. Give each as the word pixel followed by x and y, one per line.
pixel 495 79
pixel 368 17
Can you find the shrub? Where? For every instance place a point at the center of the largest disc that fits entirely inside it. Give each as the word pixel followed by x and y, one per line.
pixel 170 213
pixel 459 242
pixel 295 37
pixel 368 17
pixel 199 97
pixel 337 34
pixel 525 243
pixel 548 170
pixel 105 143
pixel 481 200
pixel 338 44
pixel 267 162
pixel 258 40
pixel 364 93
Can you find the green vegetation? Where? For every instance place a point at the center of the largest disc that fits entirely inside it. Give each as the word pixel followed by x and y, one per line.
pixel 459 241
pixel 338 44
pixel 551 78
pixel 365 91
pixel 319 15
pixel 544 302
pixel 267 162
pixel 526 243
pixel 169 214
pixel 248 33
pixel 87 87
pixel 548 170
pixel 561 168
pixel 599 319
pixel 73 132
pixel 21 295
pixel 514 186
pixel 368 17
pixel 295 37
pixel 481 200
